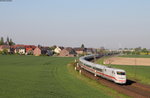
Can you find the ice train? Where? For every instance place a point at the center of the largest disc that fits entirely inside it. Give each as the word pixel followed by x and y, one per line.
pixel 116 75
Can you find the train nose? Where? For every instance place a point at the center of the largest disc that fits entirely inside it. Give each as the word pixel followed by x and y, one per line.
pixel 121 81
pixel 121 78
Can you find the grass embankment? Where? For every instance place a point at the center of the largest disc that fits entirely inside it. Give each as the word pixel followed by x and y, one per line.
pixel 138 73
pixel 46 77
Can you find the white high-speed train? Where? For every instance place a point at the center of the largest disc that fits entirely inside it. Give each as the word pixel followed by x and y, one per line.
pixel 113 74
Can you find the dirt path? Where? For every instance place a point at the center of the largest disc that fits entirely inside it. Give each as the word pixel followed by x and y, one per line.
pixel 128 61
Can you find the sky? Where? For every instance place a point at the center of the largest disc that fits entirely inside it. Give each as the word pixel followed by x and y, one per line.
pixel 95 23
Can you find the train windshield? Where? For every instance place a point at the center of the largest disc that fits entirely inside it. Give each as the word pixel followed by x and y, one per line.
pixel 120 73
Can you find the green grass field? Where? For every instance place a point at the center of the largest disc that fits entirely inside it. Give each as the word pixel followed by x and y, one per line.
pixel 46 77
pixel 137 73
pixel 136 56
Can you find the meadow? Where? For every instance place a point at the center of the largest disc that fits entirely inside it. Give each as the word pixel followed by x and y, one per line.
pixel 46 77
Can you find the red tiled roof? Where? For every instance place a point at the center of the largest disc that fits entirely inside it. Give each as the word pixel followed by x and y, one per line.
pixel 25 46
pixel 4 46
pixel 78 49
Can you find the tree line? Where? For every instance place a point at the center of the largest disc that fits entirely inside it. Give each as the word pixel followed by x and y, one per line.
pixel 136 51
pixel 7 42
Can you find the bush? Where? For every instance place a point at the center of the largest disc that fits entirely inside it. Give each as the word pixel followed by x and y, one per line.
pixel 1 52
pixel 5 52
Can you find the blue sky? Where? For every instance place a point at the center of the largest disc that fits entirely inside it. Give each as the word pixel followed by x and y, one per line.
pixel 95 23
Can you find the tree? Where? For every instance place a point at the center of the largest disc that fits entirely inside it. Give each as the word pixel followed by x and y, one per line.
pixel 2 41
pixel 7 39
pixel 128 52
pixel 102 50
pixel 5 52
pixel 138 50
pixel 52 47
pixel 125 48
pixel 39 46
pixel 11 42
pixel 82 46
pixel 144 50
pixel 120 48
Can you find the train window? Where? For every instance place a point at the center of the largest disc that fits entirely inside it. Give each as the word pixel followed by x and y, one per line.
pixel 120 73
pixel 98 69
pixel 88 65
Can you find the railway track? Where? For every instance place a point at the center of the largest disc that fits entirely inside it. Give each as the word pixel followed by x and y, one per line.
pixel 131 88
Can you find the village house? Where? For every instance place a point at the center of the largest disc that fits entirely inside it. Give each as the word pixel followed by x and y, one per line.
pixel 29 49
pixel 46 51
pixel 42 51
pixel 7 47
pixel 58 49
pixel 79 50
pixel 20 50
pixel 37 51
pixel 12 50
pixel 89 50
pixel 68 52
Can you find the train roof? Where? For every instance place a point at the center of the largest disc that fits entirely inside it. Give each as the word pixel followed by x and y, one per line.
pixel 118 69
pixel 102 66
pixel 83 59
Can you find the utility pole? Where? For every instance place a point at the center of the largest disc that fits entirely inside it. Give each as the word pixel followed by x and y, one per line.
pixel 94 56
pixel 135 68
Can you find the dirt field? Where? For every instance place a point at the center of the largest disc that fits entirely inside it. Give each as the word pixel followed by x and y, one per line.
pixel 128 61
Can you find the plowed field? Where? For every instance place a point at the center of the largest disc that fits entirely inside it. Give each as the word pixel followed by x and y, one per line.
pixel 128 61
